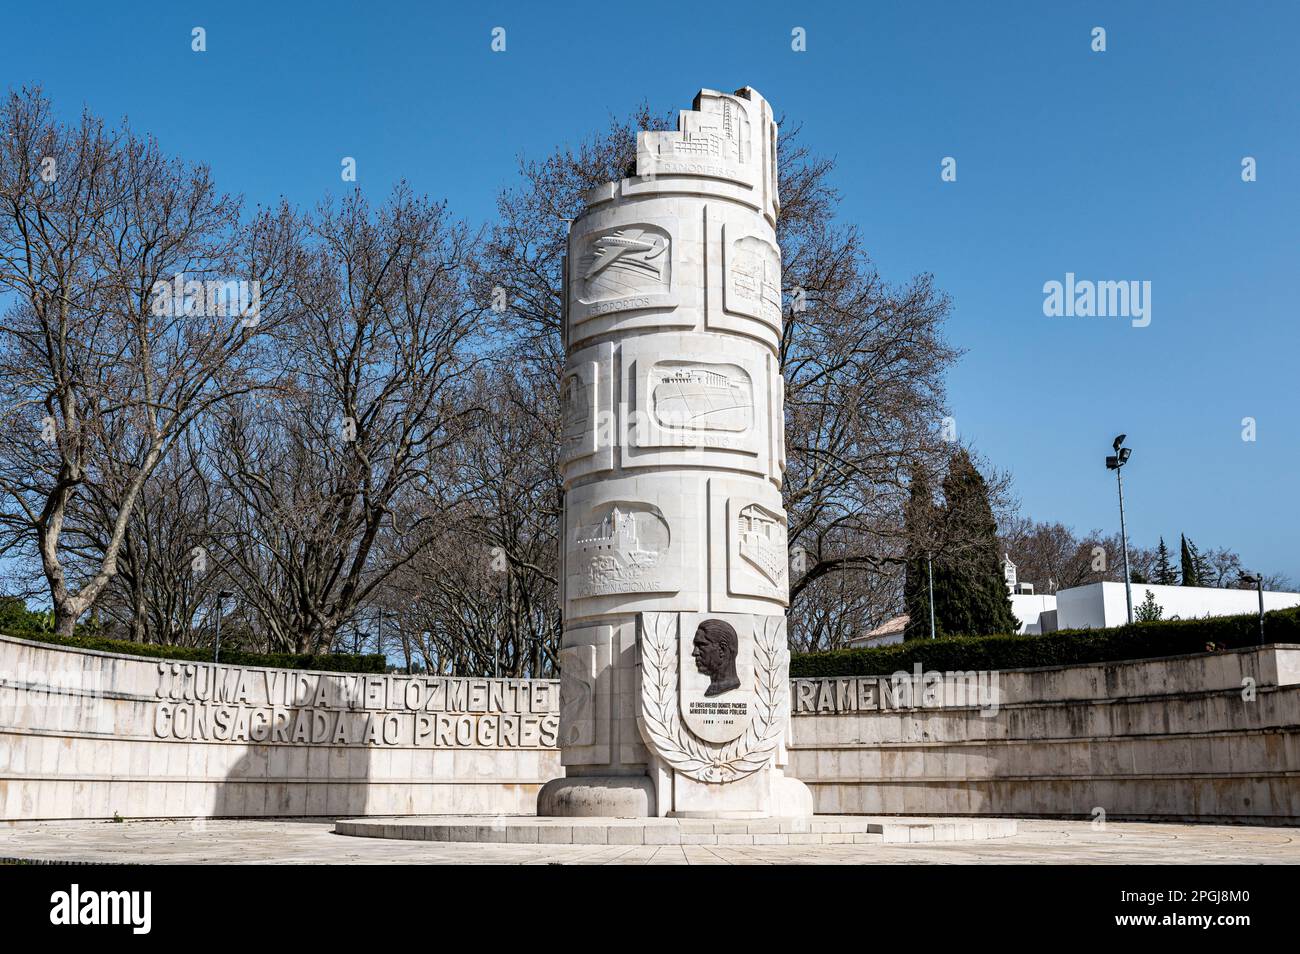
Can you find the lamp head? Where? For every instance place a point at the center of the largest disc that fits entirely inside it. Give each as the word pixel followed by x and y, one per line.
pixel 1118 441
pixel 1112 462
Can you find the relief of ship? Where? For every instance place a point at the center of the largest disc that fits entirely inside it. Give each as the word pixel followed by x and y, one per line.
pixel 702 398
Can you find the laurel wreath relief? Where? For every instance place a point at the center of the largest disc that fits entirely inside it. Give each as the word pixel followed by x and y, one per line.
pixel 660 722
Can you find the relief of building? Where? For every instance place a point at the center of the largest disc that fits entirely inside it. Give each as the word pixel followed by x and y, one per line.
pixel 702 397
pixel 722 136
pixel 754 276
pixel 761 543
pixel 575 412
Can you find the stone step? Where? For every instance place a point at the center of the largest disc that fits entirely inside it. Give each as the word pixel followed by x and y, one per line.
pixel 818 830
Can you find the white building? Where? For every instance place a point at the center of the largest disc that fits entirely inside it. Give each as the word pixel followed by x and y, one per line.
pixel 1100 605
pixel 1036 613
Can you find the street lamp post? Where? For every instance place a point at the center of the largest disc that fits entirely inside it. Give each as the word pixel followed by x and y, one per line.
pixel 929 571
pixel 1115 462
pixel 222 596
pixel 1257 581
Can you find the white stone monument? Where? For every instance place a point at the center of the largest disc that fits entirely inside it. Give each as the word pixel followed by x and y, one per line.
pixel 674 573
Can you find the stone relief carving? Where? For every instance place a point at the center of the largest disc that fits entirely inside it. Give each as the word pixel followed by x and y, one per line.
pixel 754 279
pixel 577 691
pixel 758 562
pixel 621 551
pixel 747 742
pixel 714 139
pixel 714 650
pixel 705 397
pixel 624 263
pixel 588 423
pixel 577 410
pixel 722 136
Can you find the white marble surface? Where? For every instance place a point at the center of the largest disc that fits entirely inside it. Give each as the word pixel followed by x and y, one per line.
pixel 672 455
pixel 88 735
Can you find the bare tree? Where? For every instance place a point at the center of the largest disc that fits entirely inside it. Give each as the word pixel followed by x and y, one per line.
pixel 863 363
pixel 1053 557
pixel 102 367
pixel 316 480
pixel 167 575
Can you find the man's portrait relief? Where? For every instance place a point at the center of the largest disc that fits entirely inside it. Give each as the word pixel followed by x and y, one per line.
pixel 716 645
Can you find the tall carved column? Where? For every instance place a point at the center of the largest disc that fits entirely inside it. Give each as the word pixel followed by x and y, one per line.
pixel 674 573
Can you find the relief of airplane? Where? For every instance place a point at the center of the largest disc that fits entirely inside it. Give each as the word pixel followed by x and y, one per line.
pixel 615 246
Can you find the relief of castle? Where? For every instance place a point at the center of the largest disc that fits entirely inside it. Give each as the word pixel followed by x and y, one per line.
pixel 617 559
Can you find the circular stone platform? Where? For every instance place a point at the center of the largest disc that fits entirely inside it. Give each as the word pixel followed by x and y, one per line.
pixel 818 830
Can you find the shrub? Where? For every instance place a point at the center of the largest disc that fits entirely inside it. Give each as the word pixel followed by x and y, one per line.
pixel 17 619
pixel 1066 647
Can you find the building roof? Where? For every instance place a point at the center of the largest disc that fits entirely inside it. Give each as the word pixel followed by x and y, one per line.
pixel 890 626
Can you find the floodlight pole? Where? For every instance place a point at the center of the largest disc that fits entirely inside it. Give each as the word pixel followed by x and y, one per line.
pixel 1123 540
pixel 1116 463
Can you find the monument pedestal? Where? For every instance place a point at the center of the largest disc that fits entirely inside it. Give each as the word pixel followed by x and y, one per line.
pixel 607 796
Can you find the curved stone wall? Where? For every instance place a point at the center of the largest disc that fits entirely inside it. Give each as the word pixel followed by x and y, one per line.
pixel 1204 737
pixel 89 735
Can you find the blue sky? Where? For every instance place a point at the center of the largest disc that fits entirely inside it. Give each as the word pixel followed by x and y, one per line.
pixel 1122 165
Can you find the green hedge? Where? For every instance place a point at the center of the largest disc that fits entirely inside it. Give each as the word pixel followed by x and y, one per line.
pixel 1066 647
pixel 325 662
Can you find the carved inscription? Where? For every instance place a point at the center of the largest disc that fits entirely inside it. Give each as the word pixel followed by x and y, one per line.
pixel 198 702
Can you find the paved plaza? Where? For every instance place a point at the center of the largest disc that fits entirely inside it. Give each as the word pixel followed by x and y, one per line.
pixel 315 843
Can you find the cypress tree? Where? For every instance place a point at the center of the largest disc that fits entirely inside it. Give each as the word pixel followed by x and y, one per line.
pixel 1191 572
pixel 970 592
pixel 921 518
pixel 1204 573
pixel 1165 574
